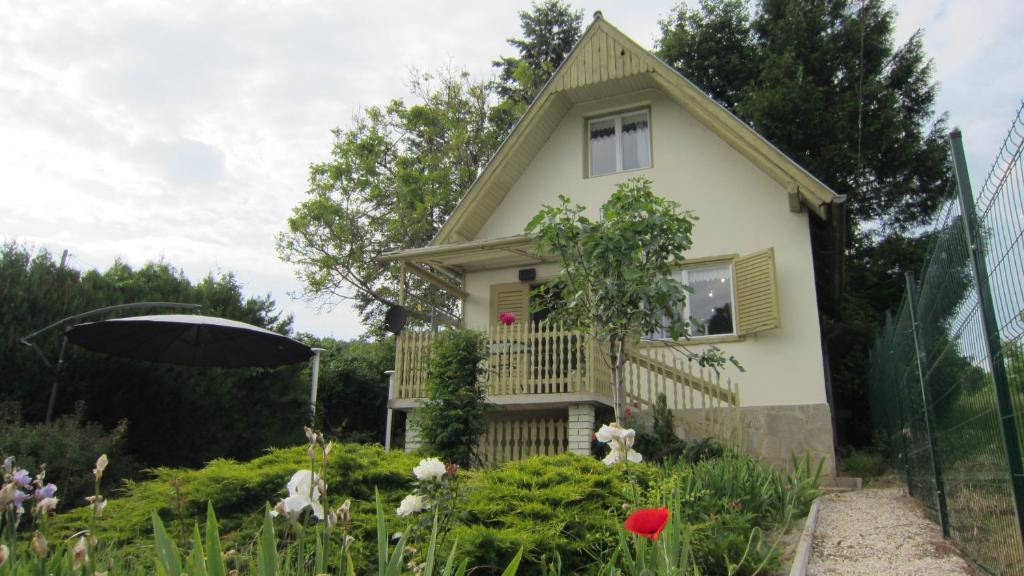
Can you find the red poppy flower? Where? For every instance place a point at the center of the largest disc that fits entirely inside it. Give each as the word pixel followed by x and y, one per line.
pixel 648 522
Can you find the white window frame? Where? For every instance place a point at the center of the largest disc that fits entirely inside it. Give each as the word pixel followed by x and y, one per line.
pixel 618 141
pixel 683 277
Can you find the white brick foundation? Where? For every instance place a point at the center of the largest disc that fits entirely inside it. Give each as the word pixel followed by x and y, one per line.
pixel 412 433
pixel 581 428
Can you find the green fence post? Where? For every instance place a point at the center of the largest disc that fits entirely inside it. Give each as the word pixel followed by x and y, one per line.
pixel 926 394
pixel 993 341
pixel 901 418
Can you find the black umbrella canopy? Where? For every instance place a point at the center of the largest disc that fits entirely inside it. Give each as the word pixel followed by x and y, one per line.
pixel 190 340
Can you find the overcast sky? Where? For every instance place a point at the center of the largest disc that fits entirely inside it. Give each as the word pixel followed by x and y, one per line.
pixel 183 130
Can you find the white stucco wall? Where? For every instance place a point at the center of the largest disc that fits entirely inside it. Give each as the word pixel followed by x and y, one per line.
pixel 740 209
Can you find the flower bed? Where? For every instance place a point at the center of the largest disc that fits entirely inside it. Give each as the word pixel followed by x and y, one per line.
pixel 564 514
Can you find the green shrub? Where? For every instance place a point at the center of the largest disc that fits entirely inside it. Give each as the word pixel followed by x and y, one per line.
pixel 661 443
pixel 564 509
pixel 68 446
pixel 730 501
pixel 453 417
pixel 704 449
pixel 548 505
pixel 865 464
pixel 240 491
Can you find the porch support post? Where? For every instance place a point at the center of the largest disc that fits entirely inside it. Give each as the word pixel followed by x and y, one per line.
pixel 391 412
pixel 401 284
pixel 581 428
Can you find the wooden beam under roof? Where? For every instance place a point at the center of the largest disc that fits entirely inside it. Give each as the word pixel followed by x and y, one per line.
pixel 436 280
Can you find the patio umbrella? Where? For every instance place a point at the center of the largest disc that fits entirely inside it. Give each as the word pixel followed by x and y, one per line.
pixel 190 340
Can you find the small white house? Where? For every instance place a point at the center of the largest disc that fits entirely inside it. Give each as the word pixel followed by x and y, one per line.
pixel 610 112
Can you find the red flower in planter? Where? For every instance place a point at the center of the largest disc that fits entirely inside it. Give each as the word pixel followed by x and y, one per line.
pixel 507 318
pixel 648 522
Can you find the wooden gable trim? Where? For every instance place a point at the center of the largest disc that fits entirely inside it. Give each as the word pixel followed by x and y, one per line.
pixel 605 54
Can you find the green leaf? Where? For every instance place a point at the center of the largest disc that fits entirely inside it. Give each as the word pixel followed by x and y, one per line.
pixel 513 566
pixel 451 560
pixel 266 560
pixel 197 559
pixel 320 559
pixel 167 559
pixel 382 533
pixel 350 568
pixel 432 548
pixel 214 555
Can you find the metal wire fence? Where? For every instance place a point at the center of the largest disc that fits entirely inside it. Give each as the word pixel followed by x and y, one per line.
pixel 947 372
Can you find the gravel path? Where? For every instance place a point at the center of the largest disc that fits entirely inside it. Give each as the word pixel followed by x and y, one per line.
pixel 879 531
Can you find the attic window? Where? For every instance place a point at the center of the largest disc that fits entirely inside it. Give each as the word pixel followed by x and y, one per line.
pixel 619 143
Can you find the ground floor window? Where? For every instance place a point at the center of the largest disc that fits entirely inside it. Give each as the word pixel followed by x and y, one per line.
pixel 711 304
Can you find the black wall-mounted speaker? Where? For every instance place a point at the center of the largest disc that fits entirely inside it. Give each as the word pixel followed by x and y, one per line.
pixel 394 319
pixel 527 274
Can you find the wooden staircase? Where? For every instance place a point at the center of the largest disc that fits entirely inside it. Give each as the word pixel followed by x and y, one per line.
pixel 703 400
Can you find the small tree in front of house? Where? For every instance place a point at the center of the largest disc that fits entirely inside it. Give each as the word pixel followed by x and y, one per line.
pixel 453 417
pixel 616 271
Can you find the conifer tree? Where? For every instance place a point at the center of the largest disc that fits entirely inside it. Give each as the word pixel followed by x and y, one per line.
pixel 825 82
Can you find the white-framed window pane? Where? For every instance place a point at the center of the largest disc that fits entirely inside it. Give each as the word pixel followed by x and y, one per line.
pixel 710 303
pixel 636 141
pixel 709 308
pixel 602 147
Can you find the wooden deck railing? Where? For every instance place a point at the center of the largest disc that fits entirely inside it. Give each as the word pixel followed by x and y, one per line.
pixel 685 383
pixel 538 359
pixel 709 401
pixel 523 359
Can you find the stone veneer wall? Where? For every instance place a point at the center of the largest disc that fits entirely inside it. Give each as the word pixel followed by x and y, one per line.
pixel 773 434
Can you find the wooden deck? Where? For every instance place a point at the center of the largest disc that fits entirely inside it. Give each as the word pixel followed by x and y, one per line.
pixel 530 365
pixel 533 360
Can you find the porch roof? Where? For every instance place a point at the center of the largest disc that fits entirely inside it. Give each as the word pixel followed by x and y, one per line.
pixel 507 252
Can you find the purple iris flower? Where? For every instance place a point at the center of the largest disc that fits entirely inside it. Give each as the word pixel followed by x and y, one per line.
pixel 21 478
pixel 46 491
pixel 19 498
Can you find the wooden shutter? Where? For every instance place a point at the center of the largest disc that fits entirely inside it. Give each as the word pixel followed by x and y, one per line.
pixel 513 297
pixel 757 297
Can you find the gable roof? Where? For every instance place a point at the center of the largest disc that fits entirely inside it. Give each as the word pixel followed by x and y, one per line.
pixel 605 62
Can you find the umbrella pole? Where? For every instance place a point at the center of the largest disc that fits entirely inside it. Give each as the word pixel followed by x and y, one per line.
pixel 314 385
pixel 56 380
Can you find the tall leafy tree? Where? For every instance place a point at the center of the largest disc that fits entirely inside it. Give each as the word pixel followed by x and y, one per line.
pixel 825 81
pixel 393 178
pixel 398 171
pixel 550 30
